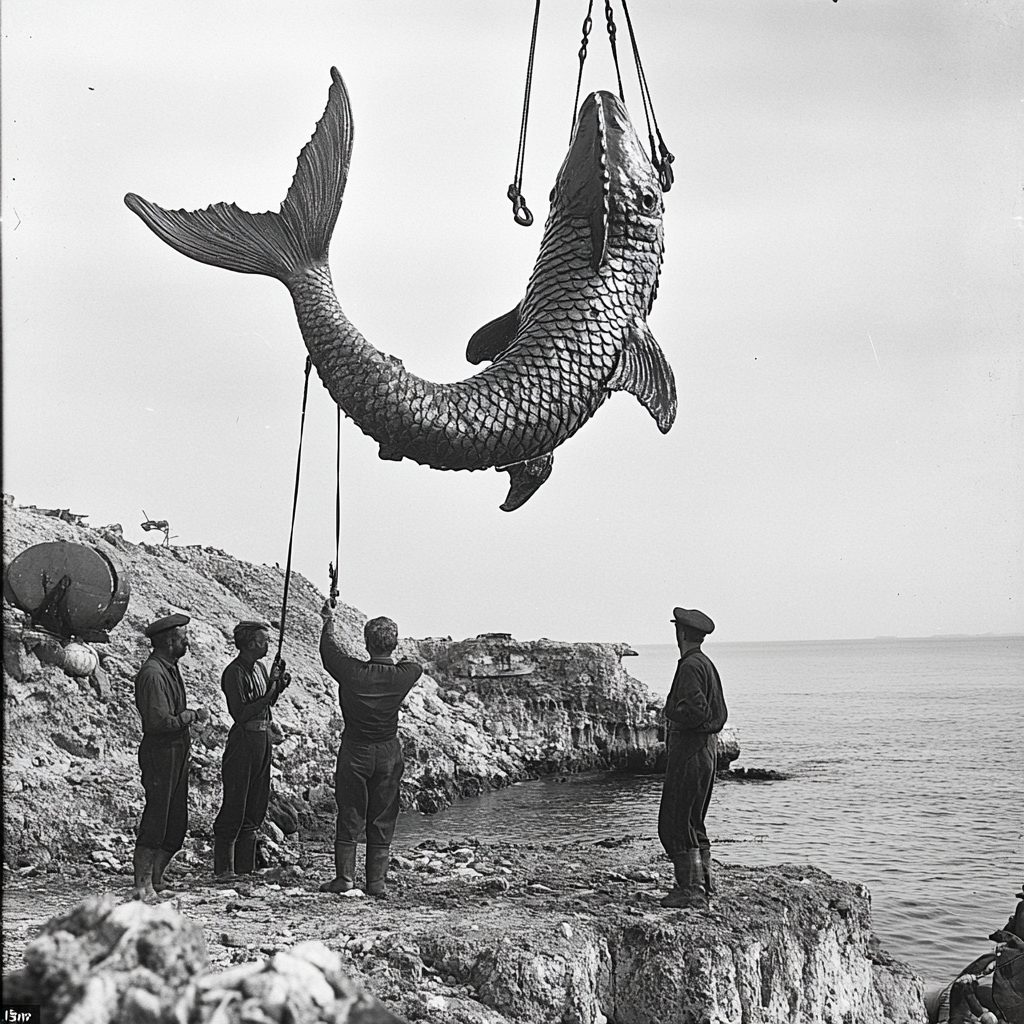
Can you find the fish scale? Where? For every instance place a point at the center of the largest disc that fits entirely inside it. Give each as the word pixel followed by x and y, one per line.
pixel 579 333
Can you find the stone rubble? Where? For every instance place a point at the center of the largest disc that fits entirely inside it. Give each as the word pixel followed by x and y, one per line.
pixel 140 964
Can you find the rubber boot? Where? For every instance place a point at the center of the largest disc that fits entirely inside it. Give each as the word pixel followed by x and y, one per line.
pixel 245 853
pixel 344 869
pixel 160 861
pixel 689 887
pixel 142 863
pixel 223 860
pixel 709 879
pixel 377 860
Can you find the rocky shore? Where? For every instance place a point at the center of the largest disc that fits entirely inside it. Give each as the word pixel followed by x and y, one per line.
pixel 470 933
pixel 489 712
pixel 487 934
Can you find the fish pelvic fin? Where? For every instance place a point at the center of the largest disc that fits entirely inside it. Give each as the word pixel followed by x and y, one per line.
pixel 493 338
pixel 276 244
pixel 526 477
pixel 643 371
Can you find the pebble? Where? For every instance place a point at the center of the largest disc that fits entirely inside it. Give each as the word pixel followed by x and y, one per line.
pixel 566 929
pixel 641 875
pixel 436 1003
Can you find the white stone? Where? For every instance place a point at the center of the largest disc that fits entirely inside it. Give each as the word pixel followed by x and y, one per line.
pixel 313 983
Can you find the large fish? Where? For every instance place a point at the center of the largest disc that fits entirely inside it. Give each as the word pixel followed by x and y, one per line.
pixel 579 333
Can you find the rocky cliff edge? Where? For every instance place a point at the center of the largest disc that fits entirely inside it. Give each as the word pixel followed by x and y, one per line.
pixel 490 710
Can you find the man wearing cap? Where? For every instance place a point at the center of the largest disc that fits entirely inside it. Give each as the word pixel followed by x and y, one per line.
pixel 163 753
pixel 695 713
pixel 245 768
pixel 370 765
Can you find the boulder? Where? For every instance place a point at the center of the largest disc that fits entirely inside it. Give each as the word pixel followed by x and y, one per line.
pixel 104 962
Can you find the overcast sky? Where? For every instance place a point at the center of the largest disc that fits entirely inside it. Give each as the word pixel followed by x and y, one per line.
pixel 841 301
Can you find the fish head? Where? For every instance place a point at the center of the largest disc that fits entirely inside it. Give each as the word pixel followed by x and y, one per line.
pixel 608 178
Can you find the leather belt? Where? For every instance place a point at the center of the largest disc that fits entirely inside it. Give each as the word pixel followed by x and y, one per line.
pixel 256 726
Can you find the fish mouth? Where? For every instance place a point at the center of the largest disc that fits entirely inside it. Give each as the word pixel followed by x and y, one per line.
pixel 606 165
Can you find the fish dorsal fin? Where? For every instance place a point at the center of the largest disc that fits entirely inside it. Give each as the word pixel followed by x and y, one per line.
pixel 643 371
pixel 492 339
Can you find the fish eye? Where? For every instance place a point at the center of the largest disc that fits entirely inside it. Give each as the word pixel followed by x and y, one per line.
pixel 648 201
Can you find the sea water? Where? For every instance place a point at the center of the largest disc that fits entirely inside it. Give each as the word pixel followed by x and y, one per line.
pixel 905 760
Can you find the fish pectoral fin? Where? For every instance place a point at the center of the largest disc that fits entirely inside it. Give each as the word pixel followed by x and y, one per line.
pixel 493 338
pixel 643 371
pixel 526 478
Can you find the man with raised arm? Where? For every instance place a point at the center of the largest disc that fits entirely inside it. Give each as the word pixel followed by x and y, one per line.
pixel 369 768
pixel 695 713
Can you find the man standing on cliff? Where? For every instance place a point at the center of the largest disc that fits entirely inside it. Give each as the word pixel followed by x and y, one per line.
pixel 370 764
pixel 164 753
pixel 245 767
pixel 695 713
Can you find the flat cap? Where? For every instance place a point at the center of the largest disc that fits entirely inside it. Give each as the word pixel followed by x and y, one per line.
pixel 167 622
pixel 693 619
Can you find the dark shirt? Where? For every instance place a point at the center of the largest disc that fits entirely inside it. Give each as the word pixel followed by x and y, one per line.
pixel 369 692
pixel 696 701
pixel 247 691
pixel 160 696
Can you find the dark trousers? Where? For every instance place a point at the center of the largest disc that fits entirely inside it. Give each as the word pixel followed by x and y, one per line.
pixel 689 780
pixel 245 772
pixel 164 761
pixel 366 788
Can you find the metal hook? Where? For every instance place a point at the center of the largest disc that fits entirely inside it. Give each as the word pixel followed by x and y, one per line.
pixel 333 572
pixel 520 211
pixel 665 172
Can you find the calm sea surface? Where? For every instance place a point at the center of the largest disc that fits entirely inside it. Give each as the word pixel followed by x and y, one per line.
pixel 906 760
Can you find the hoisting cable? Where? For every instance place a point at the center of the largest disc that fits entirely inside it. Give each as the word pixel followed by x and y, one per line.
pixel 332 567
pixel 520 211
pixel 295 505
pixel 660 156
pixel 610 19
pixel 588 24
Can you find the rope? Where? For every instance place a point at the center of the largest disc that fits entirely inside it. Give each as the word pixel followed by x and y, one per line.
pixel 520 211
pixel 295 505
pixel 660 156
pixel 334 566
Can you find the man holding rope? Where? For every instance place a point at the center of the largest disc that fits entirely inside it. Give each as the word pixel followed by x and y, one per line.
pixel 245 768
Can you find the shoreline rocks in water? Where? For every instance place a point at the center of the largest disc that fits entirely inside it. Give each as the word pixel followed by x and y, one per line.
pixel 490 711
pixel 486 934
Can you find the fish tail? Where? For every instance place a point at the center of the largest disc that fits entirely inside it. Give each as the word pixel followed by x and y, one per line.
pixel 279 244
